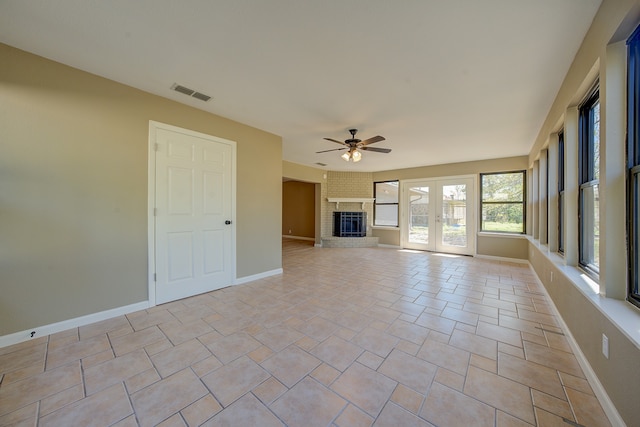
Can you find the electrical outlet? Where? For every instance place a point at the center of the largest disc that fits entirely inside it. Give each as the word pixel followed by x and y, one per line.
pixel 605 346
pixel 551 276
pixel 289 231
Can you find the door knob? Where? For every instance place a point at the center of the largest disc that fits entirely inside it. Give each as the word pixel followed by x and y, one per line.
pixel 227 222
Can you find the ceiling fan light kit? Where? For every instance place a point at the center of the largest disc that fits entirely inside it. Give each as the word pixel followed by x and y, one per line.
pixel 352 155
pixel 353 144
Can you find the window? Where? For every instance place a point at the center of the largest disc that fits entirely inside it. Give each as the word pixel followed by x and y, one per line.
pixel 546 196
pixel 385 208
pixel 589 179
pixel 503 202
pixel 561 223
pixel 633 164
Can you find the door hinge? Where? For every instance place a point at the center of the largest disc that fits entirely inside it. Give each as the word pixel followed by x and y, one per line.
pixel 155 211
pixel 155 277
pixel 156 146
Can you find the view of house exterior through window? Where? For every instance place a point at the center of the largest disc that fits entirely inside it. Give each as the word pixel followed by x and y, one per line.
pixel 386 203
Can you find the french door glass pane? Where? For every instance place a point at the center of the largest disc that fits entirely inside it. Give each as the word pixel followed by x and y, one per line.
pixel 454 215
pixel 419 215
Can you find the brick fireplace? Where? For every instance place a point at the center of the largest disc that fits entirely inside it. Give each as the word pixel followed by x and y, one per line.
pixel 349 224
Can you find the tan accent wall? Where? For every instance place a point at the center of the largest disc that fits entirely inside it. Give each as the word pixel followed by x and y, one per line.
pixel 73 190
pixel 298 209
pixel 316 176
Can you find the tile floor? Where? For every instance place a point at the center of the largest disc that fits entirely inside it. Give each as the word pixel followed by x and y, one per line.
pixel 345 337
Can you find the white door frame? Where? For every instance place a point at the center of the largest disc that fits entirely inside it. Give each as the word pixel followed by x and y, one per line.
pixel 151 200
pixel 404 185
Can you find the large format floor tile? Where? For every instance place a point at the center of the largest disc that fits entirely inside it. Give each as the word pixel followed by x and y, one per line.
pixel 405 339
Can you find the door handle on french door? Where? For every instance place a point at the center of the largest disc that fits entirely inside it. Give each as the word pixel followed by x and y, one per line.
pixel 227 222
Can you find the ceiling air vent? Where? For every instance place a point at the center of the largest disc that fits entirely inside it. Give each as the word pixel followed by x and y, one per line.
pixel 192 93
pixel 201 96
pixel 321 164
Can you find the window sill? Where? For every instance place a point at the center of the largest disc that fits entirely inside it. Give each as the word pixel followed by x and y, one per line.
pixel 624 315
pixel 505 235
pixel 385 227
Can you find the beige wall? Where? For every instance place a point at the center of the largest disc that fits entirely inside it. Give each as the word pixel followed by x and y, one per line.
pixel 489 245
pixel 496 245
pixel 387 236
pixel 587 324
pixel 298 209
pixel 73 190
pixel 601 56
pixel 614 21
pixel 303 173
pixel 359 184
pixel 454 169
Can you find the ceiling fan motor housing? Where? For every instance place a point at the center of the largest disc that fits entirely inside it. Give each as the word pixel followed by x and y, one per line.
pixel 353 139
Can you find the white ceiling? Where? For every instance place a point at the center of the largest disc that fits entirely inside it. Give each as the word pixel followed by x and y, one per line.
pixel 443 80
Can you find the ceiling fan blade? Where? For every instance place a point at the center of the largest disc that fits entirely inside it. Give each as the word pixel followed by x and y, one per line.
pixel 334 140
pixel 333 149
pixel 377 150
pixel 371 140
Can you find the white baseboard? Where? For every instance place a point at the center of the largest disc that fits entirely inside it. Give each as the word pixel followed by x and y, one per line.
pixel 288 236
pixel 607 405
pixel 246 279
pixel 53 328
pixel 64 325
pixel 382 245
pixel 501 258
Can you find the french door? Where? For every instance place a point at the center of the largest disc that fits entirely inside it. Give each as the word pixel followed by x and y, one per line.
pixel 438 215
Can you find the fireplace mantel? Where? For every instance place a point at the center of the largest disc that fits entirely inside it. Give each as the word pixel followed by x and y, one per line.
pixel 338 200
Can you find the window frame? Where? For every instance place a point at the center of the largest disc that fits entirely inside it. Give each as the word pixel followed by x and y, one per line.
pixel 587 181
pixel 376 204
pixel 561 191
pixel 523 202
pixel 546 199
pixel 633 166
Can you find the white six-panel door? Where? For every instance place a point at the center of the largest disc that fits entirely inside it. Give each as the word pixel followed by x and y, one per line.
pixel 193 213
